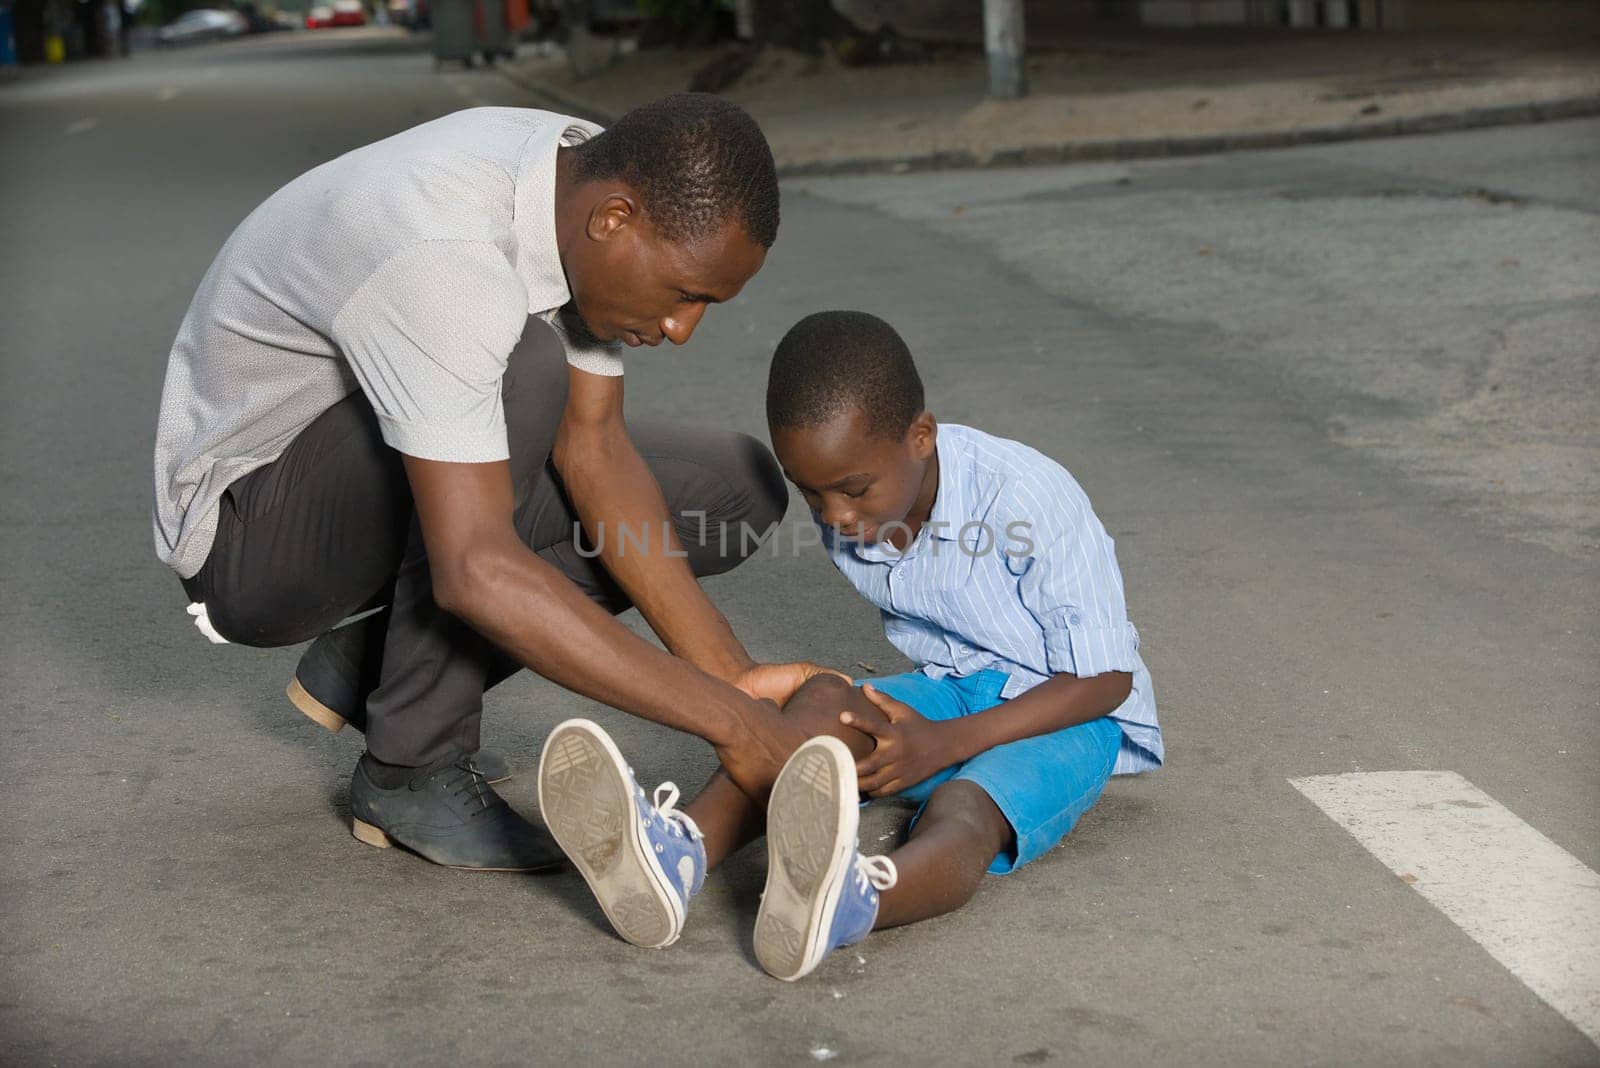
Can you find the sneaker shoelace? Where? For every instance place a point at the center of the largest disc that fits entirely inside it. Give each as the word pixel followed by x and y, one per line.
pixel 878 873
pixel 665 803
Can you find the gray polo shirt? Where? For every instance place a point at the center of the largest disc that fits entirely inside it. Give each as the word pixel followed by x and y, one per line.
pixel 406 269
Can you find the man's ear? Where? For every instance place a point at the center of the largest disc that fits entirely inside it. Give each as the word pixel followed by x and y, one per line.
pixel 922 435
pixel 611 213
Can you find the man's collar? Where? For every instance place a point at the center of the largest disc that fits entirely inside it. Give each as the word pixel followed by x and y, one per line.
pixel 538 253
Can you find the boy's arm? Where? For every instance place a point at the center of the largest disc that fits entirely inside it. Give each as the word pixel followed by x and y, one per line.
pixel 1069 582
pixel 911 748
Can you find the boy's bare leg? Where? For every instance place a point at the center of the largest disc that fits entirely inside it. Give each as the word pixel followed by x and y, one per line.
pixel 960 833
pixel 727 817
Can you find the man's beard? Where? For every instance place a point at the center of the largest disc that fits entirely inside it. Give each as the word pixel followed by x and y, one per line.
pixel 576 329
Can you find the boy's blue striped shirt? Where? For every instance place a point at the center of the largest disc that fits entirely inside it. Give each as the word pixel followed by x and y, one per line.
pixel 1012 572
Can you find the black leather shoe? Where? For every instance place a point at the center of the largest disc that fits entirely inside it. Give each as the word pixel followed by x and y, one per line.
pixel 327 681
pixel 331 684
pixel 449 814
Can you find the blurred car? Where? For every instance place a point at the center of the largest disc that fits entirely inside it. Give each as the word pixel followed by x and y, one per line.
pixel 349 13
pixel 266 21
pixel 338 13
pixel 203 24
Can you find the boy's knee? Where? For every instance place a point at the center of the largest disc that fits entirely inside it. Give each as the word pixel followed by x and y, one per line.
pixel 968 806
pixel 816 705
pixel 823 689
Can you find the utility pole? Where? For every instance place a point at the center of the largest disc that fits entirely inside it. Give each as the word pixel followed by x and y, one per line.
pixel 1003 41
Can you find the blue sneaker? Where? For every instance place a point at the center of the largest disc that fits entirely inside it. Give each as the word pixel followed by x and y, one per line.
pixel 821 892
pixel 643 861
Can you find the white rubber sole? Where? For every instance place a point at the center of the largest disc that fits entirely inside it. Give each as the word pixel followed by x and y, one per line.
pixel 811 832
pixel 587 802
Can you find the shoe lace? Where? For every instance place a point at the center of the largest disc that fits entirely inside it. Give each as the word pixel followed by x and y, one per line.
pixel 879 873
pixel 468 784
pixel 666 802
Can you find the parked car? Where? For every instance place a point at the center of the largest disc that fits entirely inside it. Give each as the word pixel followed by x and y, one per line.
pixel 349 13
pixel 203 24
pixel 266 22
pixel 338 13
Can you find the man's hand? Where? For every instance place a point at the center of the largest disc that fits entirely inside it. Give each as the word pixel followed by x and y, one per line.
pixel 909 747
pixel 763 745
pixel 778 682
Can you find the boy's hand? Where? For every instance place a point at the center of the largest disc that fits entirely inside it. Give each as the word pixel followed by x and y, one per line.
pixel 909 747
pixel 778 682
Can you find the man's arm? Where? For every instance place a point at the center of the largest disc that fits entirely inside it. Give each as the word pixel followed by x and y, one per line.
pixel 609 483
pixel 485 575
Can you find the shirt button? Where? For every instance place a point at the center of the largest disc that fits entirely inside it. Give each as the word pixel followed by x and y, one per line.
pixel 1075 617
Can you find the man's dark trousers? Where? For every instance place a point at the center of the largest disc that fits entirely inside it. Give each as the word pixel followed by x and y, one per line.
pixel 328 530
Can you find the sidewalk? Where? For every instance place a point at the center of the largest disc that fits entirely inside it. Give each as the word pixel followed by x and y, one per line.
pixel 1119 93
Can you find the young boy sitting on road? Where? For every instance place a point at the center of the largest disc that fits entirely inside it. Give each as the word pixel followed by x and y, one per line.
pixel 993 575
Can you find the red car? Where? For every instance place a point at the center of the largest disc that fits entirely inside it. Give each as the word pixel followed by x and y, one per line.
pixel 341 13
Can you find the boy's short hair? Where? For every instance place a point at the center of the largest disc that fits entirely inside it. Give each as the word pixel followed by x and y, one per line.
pixel 832 361
pixel 697 161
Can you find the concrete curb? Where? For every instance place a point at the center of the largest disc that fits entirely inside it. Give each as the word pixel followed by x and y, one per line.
pixel 555 100
pixel 1146 147
pixel 1163 147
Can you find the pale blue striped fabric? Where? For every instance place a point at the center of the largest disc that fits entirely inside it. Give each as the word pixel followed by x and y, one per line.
pixel 1012 572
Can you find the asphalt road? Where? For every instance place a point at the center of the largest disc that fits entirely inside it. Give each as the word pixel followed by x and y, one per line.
pixel 1326 575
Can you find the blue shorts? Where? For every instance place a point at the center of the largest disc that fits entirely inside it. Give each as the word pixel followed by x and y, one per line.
pixel 1042 784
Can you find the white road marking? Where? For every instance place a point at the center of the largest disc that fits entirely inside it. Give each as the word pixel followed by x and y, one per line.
pixel 82 126
pixel 166 94
pixel 1529 902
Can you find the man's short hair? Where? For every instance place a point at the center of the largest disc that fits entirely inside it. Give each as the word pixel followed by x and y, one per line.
pixel 697 161
pixel 832 361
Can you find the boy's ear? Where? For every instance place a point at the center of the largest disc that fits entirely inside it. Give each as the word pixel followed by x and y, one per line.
pixel 922 435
